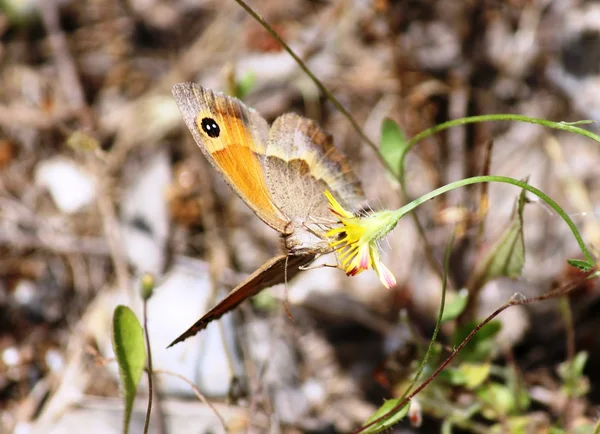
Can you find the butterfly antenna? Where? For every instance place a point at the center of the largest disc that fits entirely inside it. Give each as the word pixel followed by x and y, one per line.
pixel 285 300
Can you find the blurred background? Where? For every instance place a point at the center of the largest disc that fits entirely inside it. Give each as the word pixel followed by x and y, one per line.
pixel 100 182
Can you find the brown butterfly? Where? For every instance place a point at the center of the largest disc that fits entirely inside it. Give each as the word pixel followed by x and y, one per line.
pixel 280 172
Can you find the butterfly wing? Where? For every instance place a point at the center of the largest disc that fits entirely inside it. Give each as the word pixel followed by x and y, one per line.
pixel 281 182
pixel 271 273
pixel 232 136
pixel 301 164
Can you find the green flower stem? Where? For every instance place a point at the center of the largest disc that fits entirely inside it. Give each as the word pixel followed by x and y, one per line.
pixel 399 213
pixel 564 126
pixel 438 323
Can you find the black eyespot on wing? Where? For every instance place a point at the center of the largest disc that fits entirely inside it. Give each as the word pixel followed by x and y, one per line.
pixel 210 127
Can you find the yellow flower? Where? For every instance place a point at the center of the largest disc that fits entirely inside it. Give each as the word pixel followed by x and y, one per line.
pixel 357 240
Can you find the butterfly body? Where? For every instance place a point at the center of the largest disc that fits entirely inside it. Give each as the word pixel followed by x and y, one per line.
pixel 280 172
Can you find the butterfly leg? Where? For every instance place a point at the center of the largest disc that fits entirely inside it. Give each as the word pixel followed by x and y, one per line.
pixel 313 267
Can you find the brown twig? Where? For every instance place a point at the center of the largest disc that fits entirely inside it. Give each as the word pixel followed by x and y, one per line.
pixel 22 115
pixel 514 301
pixel 315 80
pixel 67 72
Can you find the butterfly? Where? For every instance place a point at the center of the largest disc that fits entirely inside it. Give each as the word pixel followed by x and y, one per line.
pixel 281 173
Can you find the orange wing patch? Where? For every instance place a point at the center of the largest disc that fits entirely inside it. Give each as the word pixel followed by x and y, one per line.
pixel 246 173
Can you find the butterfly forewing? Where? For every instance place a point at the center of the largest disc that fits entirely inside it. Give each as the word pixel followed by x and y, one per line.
pixel 232 136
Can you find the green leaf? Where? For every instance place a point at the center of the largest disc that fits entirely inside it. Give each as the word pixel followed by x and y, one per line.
pixel 579 362
pixel 474 373
pixel 130 350
pixel 266 301
pixel 571 372
pixel 388 422
pixel 523 425
pixel 20 12
pixel 393 146
pixel 500 401
pixel 453 376
pixel 507 256
pixel 456 306
pixel 584 428
pixel 582 265
pixel 245 85
pixel 481 345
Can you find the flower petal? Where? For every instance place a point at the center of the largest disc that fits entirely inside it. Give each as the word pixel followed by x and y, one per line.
pixel 385 275
pixel 365 256
pixel 336 208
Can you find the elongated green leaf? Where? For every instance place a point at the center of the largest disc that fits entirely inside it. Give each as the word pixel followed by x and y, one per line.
pixel 584 266
pixel 393 146
pixel 387 423
pixel 129 348
pixel 507 256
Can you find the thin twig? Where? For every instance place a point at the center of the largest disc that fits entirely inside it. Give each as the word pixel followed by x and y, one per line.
pixel 111 228
pixel 315 80
pixel 22 115
pixel 67 72
pixel 197 392
pixel 218 256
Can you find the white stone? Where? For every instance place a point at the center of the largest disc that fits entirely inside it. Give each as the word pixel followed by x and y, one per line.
pixel 71 187
pixel 54 360
pixel 178 302
pixel 24 292
pixel 145 201
pixel 11 357
pixel 315 392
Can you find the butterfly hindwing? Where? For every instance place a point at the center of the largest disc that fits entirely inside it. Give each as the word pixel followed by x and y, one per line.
pixel 301 163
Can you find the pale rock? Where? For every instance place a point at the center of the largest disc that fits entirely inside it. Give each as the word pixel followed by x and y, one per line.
pixel 145 216
pixel 71 187
pixel 178 302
